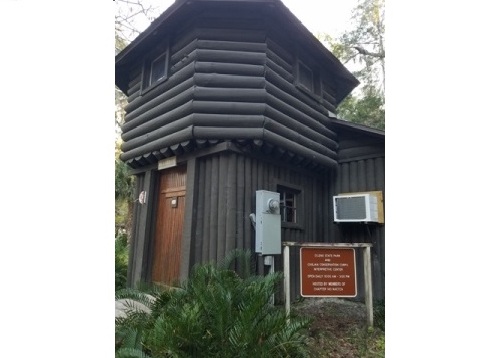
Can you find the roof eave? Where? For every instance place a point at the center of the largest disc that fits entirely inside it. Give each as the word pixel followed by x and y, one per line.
pixel 344 124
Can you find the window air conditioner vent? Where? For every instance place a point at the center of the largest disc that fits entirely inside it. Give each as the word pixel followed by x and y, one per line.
pixel 355 208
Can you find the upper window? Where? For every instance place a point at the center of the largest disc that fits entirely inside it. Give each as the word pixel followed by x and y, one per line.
pixel 158 69
pixel 155 69
pixel 308 80
pixel 305 77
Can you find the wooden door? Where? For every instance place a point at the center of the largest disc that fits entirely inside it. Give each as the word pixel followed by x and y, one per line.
pixel 169 225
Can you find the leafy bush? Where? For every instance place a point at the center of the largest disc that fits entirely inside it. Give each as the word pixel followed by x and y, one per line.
pixel 124 192
pixel 121 261
pixel 216 313
pixel 124 181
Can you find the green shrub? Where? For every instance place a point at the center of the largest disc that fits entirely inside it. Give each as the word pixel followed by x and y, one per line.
pixel 121 261
pixel 216 313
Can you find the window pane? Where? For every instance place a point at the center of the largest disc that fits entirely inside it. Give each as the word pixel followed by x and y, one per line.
pixel 158 69
pixel 290 215
pixel 287 201
pixel 305 77
pixel 317 85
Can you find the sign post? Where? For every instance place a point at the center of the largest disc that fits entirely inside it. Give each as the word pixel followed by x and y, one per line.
pixel 287 281
pixel 368 284
pixel 329 270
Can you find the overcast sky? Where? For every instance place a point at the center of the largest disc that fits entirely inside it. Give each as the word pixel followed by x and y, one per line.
pixel 331 17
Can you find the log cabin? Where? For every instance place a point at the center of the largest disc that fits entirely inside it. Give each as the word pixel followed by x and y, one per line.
pixel 227 97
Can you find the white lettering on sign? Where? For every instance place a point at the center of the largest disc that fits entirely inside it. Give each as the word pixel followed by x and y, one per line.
pixel 328 272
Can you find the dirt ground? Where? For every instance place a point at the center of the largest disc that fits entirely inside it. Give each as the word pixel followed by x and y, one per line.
pixel 339 328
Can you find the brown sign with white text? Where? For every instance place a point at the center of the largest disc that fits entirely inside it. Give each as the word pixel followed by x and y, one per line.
pixel 328 272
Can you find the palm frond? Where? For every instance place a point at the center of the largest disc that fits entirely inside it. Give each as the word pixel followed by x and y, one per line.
pixel 131 353
pixel 242 260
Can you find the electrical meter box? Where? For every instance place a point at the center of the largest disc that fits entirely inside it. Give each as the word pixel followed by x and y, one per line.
pixel 268 223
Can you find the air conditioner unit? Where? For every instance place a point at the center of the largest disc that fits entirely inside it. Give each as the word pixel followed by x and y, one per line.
pixel 355 208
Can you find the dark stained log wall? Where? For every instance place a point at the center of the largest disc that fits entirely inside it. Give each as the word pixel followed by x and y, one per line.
pixel 143 230
pixel 226 186
pixel 282 46
pixel 358 176
pixel 362 168
pixel 229 79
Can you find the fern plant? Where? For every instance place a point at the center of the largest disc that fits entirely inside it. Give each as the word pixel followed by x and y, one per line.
pixel 215 313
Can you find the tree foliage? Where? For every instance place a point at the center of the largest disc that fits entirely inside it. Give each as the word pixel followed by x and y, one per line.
pixel 124 183
pixel 363 51
pixel 367 108
pixel 121 261
pixel 128 16
pixel 124 192
pixel 365 44
pixel 130 19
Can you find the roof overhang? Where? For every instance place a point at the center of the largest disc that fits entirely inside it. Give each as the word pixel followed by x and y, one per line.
pixel 341 124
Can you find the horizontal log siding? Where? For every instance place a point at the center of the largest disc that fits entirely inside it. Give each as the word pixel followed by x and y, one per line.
pixel 287 105
pixel 328 89
pixel 187 107
pixel 133 92
pixel 353 147
pixel 329 101
pixel 173 81
pixel 275 37
pixel 284 79
pixel 226 187
pixel 226 65
pixel 155 121
pixel 134 84
pixel 286 98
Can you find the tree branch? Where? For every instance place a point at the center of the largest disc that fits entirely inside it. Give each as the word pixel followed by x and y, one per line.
pixel 351 57
pixel 365 52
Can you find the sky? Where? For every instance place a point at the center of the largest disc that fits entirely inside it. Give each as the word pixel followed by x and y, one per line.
pixel 323 16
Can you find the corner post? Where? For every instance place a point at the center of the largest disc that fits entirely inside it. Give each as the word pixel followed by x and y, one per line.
pixel 287 283
pixel 368 284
